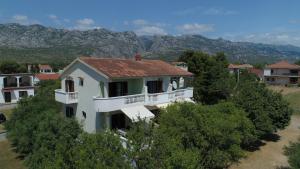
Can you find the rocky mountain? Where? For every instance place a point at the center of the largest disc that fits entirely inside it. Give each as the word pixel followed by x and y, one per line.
pixel 39 43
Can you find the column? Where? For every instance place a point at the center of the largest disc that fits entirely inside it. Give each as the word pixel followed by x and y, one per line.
pixel 18 81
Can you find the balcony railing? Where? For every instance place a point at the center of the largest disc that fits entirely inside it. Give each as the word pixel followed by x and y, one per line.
pixel 66 97
pixel 117 103
pixel 285 74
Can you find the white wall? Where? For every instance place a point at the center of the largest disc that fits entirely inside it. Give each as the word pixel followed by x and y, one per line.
pixel 267 72
pixel 90 88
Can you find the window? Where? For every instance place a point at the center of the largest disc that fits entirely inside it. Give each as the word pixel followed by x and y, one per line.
pixel 84 114
pixel 23 94
pixel 80 81
pixel 69 111
pixel 118 89
pixel 154 86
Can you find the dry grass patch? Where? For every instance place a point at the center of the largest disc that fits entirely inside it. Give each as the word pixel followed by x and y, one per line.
pixel 8 158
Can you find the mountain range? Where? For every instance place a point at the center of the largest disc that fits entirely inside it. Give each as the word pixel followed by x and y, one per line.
pixel 37 43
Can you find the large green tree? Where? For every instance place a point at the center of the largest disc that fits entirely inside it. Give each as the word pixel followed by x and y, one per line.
pixel 212 81
pixel 192 136
pixel 266 109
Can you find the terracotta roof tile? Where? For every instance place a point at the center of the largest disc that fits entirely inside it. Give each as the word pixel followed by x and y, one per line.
pixel 118 68
pixel 45 67
pixel 258 72
pixel 283 65
pixel 242 66
pixel 47 76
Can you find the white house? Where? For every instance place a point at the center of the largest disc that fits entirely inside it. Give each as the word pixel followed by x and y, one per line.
pixel 112 93
pixel 282 73
pixel 15 86
pixel 45 69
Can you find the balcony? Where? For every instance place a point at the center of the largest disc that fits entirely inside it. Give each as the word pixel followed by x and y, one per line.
pixel 66 97
pixel 117 103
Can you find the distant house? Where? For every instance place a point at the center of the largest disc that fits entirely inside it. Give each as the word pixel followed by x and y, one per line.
pixel 45 76
pixel 235 68
pixel 258 72
pixel 282 73
pixel 15 86
pixel 106 93
pixel 45 69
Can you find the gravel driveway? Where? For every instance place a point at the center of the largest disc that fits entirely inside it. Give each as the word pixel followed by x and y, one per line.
pixel 270 155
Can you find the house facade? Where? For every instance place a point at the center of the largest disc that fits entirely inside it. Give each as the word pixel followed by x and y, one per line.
pixel 113 93
pixel 236 68
pixel 282 73
pixel 15 86
pixel 45 69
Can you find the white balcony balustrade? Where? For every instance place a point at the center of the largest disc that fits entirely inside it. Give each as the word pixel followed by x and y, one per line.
pixel 66 97
pixel 117 103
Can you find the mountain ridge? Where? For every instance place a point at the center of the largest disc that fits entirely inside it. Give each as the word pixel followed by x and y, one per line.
pixel 38 42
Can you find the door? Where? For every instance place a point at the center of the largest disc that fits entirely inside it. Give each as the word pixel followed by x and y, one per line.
pixel 69 85
pixel 154 86
pixel 118 89
pixel 7 97
pixel 118 121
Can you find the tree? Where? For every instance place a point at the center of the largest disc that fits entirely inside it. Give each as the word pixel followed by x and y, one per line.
pixel 101 150
pixel 192 136
pixel 266 109
pixel 8 67
pixel 212 81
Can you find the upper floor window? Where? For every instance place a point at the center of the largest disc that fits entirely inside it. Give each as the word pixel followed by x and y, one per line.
pixel 81 81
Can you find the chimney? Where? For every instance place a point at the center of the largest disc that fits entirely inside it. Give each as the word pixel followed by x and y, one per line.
pixel 138 57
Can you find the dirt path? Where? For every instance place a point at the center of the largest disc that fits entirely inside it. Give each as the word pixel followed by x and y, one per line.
pixel 270 156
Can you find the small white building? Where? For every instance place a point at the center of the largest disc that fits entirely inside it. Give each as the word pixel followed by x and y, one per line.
pixel 45 69
pixel 113 93
pixel 282 73
pixel 15 86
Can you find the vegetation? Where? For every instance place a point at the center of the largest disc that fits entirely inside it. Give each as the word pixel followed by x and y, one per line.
pixel 229 116
pixel 8 158
pixel 12 67
pixel 212 81
pixel 294 100
pixel 293 153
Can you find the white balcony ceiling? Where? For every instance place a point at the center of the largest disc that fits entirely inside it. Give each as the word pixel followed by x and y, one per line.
pixel 136 113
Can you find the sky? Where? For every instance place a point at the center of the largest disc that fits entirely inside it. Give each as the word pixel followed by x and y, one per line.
pixel 265 21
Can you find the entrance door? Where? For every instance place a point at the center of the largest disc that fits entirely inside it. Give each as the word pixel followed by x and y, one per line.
pixel 69 85
pixel 118 121
pixel 7 97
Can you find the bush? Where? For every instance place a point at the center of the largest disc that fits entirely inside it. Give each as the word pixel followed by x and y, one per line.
pixel 293 153
pixel 193 136
pixel 266 109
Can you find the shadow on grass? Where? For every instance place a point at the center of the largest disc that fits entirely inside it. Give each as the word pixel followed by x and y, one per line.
pixel 282 167
pixel 259 143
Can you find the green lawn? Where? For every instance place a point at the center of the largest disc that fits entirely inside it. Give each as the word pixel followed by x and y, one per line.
pixel 294 100
pixel 7 114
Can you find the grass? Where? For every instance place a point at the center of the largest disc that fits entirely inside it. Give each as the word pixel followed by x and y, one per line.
pixel 294 100
pixel 8 158
pixel 291 95
pixel 7 114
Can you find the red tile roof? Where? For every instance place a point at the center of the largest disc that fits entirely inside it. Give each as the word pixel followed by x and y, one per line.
pixel 118 68
pixel 283 65
pixel 47 76
pixel 258 72
pixel 45 67
pixel 242 66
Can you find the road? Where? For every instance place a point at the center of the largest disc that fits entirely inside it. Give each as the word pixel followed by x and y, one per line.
pixel 270 155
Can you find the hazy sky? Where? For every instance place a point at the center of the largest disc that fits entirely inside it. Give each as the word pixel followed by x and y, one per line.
pixel 268 21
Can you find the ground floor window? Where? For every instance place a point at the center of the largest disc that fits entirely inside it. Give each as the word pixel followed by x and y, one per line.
pixel 69 111
pixel 293 80
pixel 23 94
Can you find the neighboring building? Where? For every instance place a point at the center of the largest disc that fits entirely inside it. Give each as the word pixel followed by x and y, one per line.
pixel 45 69
pixel 235 68
pixel 181 65
pixel 45 76
pixel 258 72
pixel 15 86
pixel 113 93
pixel 282 73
